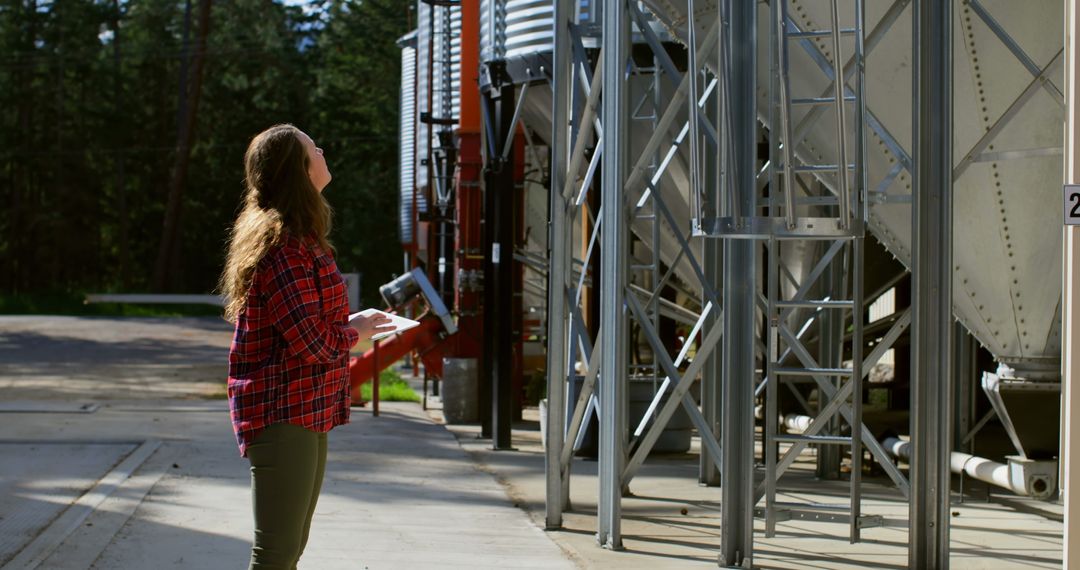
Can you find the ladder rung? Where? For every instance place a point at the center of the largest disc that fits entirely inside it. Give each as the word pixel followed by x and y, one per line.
pixel 815 304
pixel 823 439
pixel 820 33
pixel 820 168
pixel 819 100
pixel 812 371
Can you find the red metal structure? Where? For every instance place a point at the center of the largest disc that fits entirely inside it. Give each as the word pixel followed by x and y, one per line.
pixel 466 258
pixel 427 339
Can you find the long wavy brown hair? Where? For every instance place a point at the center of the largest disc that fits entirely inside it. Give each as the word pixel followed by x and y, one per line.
pixel 279 199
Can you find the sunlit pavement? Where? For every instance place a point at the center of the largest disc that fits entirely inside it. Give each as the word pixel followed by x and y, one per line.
pixel 120 479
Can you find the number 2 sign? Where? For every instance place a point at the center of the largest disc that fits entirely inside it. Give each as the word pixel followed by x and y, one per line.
pixel 1072 204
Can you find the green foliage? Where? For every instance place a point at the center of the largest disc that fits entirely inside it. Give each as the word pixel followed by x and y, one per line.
pixel 392 388
pixel 89 99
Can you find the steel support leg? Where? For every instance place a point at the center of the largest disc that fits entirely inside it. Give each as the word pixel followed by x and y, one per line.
pixel 737 428
pixel 498 279
pixel 931 407
pixel 558 270
pixel 613 317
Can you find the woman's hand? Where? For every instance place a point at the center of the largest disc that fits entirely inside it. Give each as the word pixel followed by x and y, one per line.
pixel 371 325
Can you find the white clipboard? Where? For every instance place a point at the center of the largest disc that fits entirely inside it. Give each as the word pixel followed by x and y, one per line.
pixel 400 324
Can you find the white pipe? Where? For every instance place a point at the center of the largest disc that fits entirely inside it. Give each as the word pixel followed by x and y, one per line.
pixel 795 423
pixel 976 467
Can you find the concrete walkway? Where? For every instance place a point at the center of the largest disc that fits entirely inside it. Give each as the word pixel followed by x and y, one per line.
pixel 670 521
pixel 112 461
pixel 399 492
pixel 99 480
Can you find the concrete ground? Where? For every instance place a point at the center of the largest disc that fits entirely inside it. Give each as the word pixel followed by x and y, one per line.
pixel 672 522
pixel 118 454
pixel 114 459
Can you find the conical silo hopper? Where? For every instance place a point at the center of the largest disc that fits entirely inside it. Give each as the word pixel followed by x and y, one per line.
pixel 1008 112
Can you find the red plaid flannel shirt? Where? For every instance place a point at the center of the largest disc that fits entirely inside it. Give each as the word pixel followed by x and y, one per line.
pixel 289 357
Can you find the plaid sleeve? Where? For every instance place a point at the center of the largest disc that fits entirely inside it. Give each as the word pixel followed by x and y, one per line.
pixel 293 302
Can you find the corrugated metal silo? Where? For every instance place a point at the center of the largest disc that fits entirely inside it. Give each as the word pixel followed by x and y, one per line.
pixel 407 138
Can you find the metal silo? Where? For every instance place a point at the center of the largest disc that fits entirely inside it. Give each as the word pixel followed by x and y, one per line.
pixel 407 138
pixel 438 72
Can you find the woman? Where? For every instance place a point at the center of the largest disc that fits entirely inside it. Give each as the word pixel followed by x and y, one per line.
pixel 288 378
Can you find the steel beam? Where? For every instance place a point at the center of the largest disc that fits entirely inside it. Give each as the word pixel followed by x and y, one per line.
pixel 613 381
pixel 499 215
pixel 1015 48
pixel 581 406
pixel 558 269
pixel 999 125
pixel 584 135
pixel 858 319
pixel 712 262
pixel 740 271
pixel 679 394
pixel 931 426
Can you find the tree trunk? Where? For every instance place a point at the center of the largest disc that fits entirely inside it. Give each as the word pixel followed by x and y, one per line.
pixel 178 179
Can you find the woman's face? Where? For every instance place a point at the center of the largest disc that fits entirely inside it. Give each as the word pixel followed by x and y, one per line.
pixel 317 170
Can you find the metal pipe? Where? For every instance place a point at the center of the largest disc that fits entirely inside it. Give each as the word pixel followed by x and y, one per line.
pixel 794 423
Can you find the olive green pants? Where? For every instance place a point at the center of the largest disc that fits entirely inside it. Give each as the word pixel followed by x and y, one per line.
pixel 287 466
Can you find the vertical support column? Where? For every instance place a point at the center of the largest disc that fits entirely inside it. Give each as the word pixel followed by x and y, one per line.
pixel 737 428
pixel 613 316
pixel 711 373
pixel 1070 307
pixel 558 265
pixel 498 275
pixel 858 320
pixel 712 265
pixel 931 406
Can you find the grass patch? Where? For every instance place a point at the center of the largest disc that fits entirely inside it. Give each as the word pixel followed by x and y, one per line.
pixel 219 393
pixel 392 388
pixel 68 303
